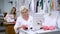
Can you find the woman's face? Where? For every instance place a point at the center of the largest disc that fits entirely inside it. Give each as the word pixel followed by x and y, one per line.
pixel 24 12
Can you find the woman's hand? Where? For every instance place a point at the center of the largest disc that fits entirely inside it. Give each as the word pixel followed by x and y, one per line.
pixel 24 27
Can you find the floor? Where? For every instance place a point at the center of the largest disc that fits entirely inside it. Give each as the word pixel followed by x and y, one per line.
pixel 2 30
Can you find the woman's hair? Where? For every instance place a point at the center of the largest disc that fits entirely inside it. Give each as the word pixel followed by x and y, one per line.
pixel 23 7
pixel 5 13
pixel 14 10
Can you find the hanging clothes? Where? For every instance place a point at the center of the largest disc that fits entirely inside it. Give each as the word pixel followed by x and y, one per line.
pixel 37 4
pixel 52 4
pixel 20 3
pixel 31 6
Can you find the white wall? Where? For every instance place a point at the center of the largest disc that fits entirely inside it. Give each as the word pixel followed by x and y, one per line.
pixel 2 5
pixel 8 6
pixel 20 3
pixel 5 6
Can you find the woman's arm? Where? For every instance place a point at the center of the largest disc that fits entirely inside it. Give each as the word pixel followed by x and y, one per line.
pixel 17 26
pixel 6 17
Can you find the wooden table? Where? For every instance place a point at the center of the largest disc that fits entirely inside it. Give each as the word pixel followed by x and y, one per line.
pixel 9 27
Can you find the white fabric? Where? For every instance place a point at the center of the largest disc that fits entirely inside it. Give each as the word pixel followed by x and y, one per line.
pixel 49 20
pixel 28 32
pixel 32 6
pixel 9 18
pixel 20 21
pixel 58 20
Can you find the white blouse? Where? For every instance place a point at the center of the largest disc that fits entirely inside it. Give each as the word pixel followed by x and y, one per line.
pixel 20 21
pixel 9 18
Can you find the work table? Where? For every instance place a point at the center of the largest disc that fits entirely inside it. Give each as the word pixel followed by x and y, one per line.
pixel 9 27
pixel 56 31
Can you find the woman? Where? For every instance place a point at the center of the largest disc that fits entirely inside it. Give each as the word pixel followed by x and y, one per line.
pixel 12 16
pixel 24 22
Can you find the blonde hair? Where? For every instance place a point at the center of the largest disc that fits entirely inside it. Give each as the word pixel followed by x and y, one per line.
pixel 23 7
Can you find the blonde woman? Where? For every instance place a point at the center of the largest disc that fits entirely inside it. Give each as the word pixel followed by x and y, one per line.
pixel 24 22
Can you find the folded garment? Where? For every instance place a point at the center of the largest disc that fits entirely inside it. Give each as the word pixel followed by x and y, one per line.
pixel 48 27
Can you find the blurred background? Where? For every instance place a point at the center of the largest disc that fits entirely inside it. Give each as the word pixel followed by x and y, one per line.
pixel 38 7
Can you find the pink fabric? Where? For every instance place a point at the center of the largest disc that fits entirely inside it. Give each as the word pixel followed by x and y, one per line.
pixel 48 28
pixel 51 27
pixel 45 27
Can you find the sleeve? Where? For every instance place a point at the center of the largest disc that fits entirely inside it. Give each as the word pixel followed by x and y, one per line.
pixel 17 25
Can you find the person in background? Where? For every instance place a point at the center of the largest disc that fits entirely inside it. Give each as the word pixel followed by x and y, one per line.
pixel 13 12
pixel 24 22
pixel 12 16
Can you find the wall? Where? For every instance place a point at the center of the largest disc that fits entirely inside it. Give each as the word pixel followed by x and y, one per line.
pixel 8 6
pixel 2 5
pixel 20 3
